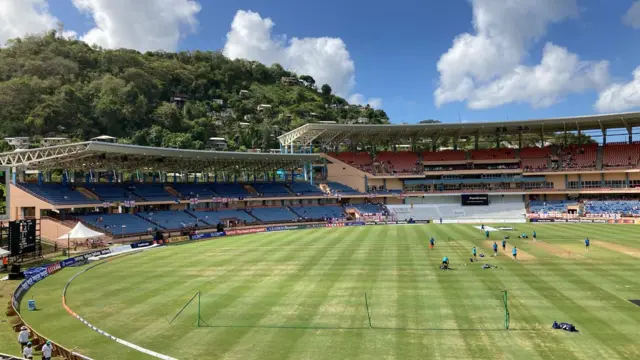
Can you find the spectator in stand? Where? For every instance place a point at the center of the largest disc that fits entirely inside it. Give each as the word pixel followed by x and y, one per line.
pixel 47 351
pixel 23 337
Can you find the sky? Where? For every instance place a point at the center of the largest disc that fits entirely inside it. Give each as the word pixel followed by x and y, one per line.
pixel 455 60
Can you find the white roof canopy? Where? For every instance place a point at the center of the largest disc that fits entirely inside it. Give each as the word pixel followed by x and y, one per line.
pixel 80 232
pixel 4 253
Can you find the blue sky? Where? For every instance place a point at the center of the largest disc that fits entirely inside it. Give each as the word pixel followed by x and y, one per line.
pixel 387 53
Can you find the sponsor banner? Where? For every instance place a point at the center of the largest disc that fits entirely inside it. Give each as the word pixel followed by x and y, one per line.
pixel 53 268
pixel 26 285
pixel 422 221
pixel 178 239
pixel 80 258
pixel 286 227
pixel 141 244
pixel 209 235
pixel 539 220
pixel 34 270
pixel 354 223
pixel 246 231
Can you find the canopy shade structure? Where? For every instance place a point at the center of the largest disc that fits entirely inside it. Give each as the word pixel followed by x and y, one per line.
pixel 4 253
pixel 106 156
pixel 335 134
pixel 80 232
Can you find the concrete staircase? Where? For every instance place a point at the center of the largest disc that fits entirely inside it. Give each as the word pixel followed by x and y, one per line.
pixel 88 193
pixel 172 191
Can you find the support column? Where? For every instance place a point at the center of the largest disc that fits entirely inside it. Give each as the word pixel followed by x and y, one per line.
pixel 604 137
pixel 601 179
pixel 520 141
pixel 384 184
pixel 366 183
pixel 476 137
pixel 626 179
pixel 579 181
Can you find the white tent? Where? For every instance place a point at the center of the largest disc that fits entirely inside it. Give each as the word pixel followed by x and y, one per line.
pixel 80 232
pixel 4 253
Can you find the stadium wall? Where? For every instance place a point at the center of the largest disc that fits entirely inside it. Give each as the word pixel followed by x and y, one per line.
pixel 51 229
pixel 21 204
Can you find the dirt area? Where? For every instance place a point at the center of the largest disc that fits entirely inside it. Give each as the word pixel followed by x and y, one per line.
pixel 522 255
pixel 563 253
pixel 618 248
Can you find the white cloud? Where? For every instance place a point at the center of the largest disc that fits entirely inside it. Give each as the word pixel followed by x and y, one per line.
pixel 486 68
pixel 326 59
pixel 21 17
pixel 560 72
pixel 360 99
pixel 621 96
pixel 141 24
pixel 632 16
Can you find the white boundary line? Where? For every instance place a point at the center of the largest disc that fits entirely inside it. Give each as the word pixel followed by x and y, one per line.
pixel 102 332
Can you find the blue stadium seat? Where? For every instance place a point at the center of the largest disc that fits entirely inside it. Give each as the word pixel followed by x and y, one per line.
pixel 630 207
pixel 200 191
pixel 111 192
pixel 58 194
pixel 543 207
pixel 272 189
pixel 305 189
pixel 215 217
pixel 273 214
pixel 113 223
pixel 319 212
pixel 342 189
pixel 230 190
pixel 172 220
pixel 151 192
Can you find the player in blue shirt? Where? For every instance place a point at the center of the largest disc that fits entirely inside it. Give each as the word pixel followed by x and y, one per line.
pixel 586 244
pixel 474 252
pixel 445 263
pixel 534 235
pixel 495 249
pixel 504 244
pixel 514 252
pixel 432 243
pixel 486 234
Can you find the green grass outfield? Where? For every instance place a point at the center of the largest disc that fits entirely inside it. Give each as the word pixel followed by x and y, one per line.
pixel 300 295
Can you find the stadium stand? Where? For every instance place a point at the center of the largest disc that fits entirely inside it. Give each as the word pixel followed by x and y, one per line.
pixel 621 155
pixel 612 207
pixel 401 162
pixel 493 154
pixel 151 192
pixel 172 220
pixel 546 207
pixel 273 214
pixel 231 190
pixel 57 194
pixel 509 208
pixel 188 191
pixel 218 216
pixel 111 192
pixel 304 188
pixel 579 156
pixel 117 224
pixel 319 212
pixel 444 155
pixel 371 208
pixel 360 160
pixel 272 189
pixel 342 189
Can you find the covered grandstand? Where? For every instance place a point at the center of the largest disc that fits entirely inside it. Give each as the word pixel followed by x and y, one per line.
pixel 126 190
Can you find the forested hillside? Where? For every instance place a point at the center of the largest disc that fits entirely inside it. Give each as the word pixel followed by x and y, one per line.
pixel 56 87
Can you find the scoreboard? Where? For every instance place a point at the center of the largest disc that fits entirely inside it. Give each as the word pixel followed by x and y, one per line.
pixel 22 237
